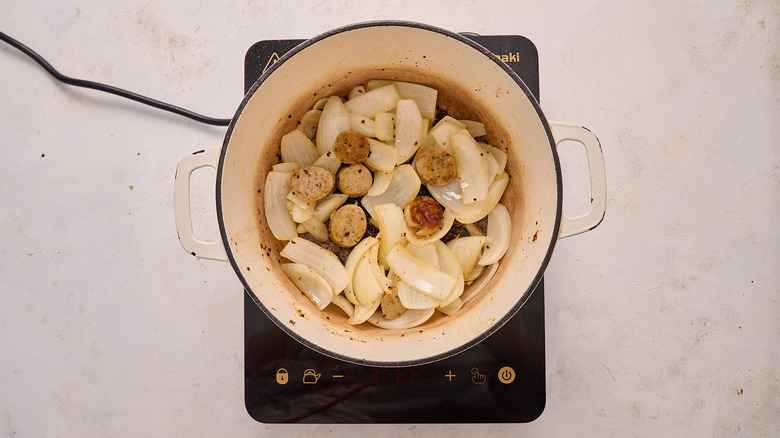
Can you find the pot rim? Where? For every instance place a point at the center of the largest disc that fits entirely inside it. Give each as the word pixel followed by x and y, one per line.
pixel 558 213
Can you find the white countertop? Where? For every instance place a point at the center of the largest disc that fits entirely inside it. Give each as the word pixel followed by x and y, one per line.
pixel 663 321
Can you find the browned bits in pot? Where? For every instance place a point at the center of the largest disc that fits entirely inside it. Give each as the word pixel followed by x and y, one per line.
pixel 354 180
pixel 424 213
pixel 435 166
pixel 312 183
pixel 348 225
pixel 351 147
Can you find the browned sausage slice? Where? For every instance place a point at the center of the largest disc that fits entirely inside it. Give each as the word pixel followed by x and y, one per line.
pixel 424 213
pixel 435 166
pixel 348 225
pixel 312 183
pixel 351 147
pixel 354 180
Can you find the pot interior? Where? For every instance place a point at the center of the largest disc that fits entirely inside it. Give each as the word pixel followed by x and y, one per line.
pixel 471 85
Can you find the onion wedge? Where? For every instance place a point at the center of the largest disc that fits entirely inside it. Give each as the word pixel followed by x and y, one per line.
pixel 277 186
pixel 308 123
pixel 403 188
pixel 451 308
pixel 449 264
pixel 423 96
pixel 374 101
pixel 467 250
pixel 333 121
pixel 384 125
pixel 449 196
pixel 363 312
pixel 381 181
pixel 316 289
pixel 381 156
pixel 351 264
pixel 420 275
pixel 316 228
pixel 476 129
pixel 499 228
pixel 297 148
pixel 342 303
pixel 479 284
pixel 409 129
pixel 327 205
pixel 413 299
pixel 410 318
pixel 390 221
pixel 362 125
pixel 319 259
pixel 472 167
pixel 364 281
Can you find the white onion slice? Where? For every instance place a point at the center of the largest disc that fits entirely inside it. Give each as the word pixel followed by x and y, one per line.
pixel 333 121
pixel 409 129
pixel 362 125
pixel 316 289
pixel 413 299
pixel 424 96
pixel 381 181
pixel 297 148
pixel 308 123
pixel 319 259
pixel 467 250
pixel 363 312
pixel 320 104
pixel 329 161
pixel 341 302
pixel 472 167
pixel 449 264
pixel 374 101
pixel 298 213
pixel 452 307
pixel 364 282
pixel 285 167
pixel 316 228
pixel 425 252
pixel 356 91
pixel 381 156
pixel 448 220
pixel 498 154
pixel 301 203
pixel 390 221
pixel 384 126
pixel 403 188
pixel 443 130
pixel 410 318
pixel 476 129
pixel 449 196
pixel 420 275
pixel 492 165
pixel 327 205
pixel 479 284
pixel 351 264
pixel 499 228
pixel 277 186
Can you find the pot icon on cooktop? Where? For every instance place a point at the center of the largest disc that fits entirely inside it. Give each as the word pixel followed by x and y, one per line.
pixel 310 377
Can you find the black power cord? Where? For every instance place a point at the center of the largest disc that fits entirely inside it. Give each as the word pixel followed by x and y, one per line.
pixel 109 89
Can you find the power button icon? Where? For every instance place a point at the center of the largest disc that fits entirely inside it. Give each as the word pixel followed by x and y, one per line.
pixel 506 375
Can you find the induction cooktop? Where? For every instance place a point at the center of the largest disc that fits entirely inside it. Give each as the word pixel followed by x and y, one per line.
pixel 500 380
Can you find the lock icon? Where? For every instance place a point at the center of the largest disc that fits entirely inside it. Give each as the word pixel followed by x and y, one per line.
pixel 282 376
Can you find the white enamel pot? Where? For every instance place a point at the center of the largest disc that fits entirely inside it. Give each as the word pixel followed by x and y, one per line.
pixel 473 83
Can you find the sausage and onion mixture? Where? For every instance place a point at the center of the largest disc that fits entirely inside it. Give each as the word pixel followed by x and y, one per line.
pixel 390 209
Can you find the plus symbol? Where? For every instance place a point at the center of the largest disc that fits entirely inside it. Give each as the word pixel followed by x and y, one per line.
pixel 449 375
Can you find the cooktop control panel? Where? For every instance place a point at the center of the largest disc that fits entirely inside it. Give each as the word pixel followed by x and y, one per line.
pixel 500 380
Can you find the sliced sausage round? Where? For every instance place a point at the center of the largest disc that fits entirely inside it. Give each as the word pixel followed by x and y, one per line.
pixel 354 180
pixel 424 213
pixel 312 183
pixel 348 225
pixel 351 147
pixel 434 166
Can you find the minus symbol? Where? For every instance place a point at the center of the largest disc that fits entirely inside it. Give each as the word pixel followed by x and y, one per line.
pixel 338 376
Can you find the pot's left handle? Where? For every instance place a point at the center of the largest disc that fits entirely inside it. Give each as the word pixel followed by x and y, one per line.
pixel 181 205
pixel 598 178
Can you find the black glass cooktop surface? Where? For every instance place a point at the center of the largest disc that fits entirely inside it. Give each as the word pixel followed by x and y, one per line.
pixel 500 380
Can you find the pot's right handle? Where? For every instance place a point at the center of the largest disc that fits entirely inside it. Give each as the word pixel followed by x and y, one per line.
pixel 598 179
pixel 181 205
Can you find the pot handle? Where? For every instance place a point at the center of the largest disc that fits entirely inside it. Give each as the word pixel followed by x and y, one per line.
pixel 181 205
pixel 598 179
